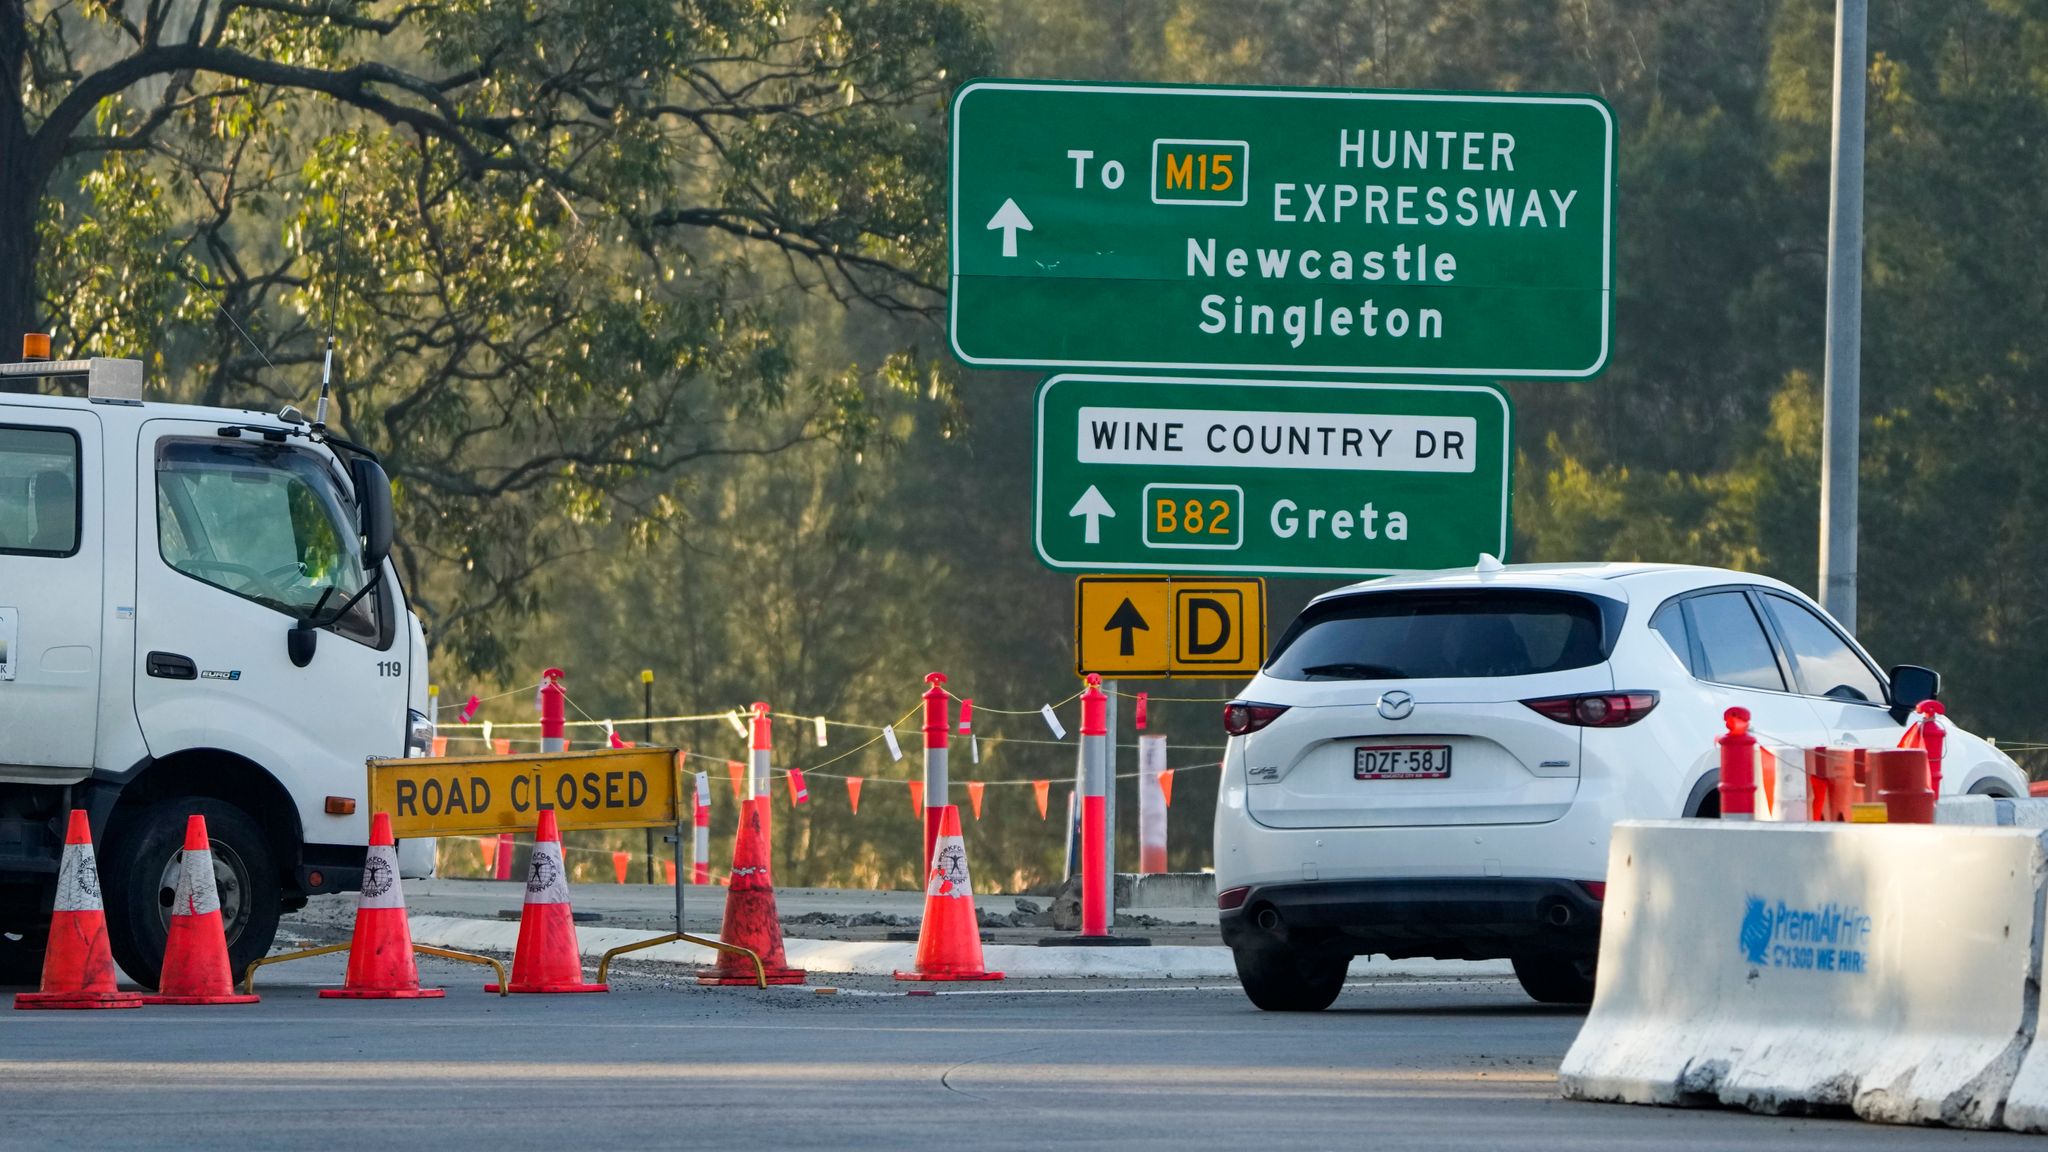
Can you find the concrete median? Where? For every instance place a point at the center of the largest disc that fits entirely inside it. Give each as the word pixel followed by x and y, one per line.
pixel 1888 970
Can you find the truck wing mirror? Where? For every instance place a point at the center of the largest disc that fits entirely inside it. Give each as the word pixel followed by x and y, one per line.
pixel 373 500
pixel 1910 685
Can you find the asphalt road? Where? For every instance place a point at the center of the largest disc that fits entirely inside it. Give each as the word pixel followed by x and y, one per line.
pixel 1398 1064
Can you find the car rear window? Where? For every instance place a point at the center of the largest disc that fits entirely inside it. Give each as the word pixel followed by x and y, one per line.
pixel 1437 635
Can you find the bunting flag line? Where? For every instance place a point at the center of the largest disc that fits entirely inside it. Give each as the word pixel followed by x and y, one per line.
pixel 974 791
pixel 1044 790
pixel 853 784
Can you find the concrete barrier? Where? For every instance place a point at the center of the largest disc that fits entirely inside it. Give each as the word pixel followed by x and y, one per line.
pixel 1992 812
pixel 1889 969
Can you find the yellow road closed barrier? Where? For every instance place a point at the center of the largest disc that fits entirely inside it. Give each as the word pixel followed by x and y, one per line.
pixel 481 795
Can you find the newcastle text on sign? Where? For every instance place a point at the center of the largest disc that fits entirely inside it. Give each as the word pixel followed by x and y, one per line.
pixel 1282 230
pixel 476 795
pixel 1272 478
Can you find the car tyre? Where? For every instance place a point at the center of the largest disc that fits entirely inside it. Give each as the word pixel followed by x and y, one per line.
pixel 1281 979
pixel 138 871
pixel 1556 979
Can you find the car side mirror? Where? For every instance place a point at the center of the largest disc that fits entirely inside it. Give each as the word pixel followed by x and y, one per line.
pixel 373 501
pixel 1912 684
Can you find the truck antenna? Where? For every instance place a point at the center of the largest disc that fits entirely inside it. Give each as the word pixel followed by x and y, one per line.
pixel 326 377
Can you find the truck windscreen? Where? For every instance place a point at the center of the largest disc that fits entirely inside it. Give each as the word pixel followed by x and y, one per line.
pixel 266 522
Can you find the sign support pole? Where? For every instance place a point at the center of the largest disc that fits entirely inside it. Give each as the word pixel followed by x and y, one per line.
pixel 1841 375
pixel 647 736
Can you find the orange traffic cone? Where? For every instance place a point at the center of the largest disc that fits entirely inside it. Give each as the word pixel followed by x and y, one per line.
pixel 546 959
pixel 380 963
pixel 750 917
pixel 949 940
pixel 78 970
pixel 196 952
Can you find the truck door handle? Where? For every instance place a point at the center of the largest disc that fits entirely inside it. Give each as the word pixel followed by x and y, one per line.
pixel 171 666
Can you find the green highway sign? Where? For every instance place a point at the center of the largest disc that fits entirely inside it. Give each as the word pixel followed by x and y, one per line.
pixel 1268 478
pixel 1164 228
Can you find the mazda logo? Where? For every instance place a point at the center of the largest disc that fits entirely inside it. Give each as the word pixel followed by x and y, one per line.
pixel 1396 705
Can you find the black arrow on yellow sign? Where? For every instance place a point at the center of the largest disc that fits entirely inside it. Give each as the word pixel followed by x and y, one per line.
pixel 1126 620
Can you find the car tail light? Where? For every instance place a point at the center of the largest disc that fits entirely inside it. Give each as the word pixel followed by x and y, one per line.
pixel 1232 898
pixel 1242 719
pixel 1596 709
pixel 1597 889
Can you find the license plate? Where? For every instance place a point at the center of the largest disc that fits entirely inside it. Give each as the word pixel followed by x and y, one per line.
pixel 1403 762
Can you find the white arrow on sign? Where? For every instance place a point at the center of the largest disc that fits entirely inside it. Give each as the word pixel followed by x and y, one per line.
pixel 1010 218
pixel 1094 507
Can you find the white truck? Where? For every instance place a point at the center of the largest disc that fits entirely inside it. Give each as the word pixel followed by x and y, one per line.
pixel 198 613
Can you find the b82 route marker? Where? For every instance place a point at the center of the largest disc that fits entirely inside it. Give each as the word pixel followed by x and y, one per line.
pixel 1173 474
pixel 1163 228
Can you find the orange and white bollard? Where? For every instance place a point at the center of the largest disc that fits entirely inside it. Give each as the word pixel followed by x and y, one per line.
pixel 553 712
pixel 1095 878
pixel 1151 804
pixel 938 726
pixel 1934 738
pixel 760 778
pixel 700 833
pixel 1738 767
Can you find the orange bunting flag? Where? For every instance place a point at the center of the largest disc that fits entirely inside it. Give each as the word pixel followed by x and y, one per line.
pixel 620 862
pixel 1044 789
pixel 798 794
pixel 489 847
pixel 737 772
pixel 440 746
pixel 974 790
pixel 502 747
pixel 917 798
pixel 669 866
pixel 1166 786
pixel 853 793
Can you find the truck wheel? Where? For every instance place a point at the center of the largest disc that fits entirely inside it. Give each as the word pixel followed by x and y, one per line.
pixel 145 852
pixel 1281 979
pixel 1556 979
pixel 21 954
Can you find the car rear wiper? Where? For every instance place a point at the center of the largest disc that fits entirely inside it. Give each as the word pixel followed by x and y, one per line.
pixel 1354 671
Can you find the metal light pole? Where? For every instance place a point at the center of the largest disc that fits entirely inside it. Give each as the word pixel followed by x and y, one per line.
pixel 1841 372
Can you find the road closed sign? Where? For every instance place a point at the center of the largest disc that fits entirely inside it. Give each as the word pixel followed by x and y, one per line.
pixel 1159 627
pixel 479 795
pixel 1269 478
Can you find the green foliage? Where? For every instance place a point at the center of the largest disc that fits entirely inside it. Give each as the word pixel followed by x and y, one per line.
pixel 587 264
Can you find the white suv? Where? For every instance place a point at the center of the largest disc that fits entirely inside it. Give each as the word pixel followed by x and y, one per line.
pixel 1430 765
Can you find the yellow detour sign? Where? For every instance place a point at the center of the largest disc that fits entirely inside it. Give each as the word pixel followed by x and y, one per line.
pixel 1151 627
pixel 476 795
